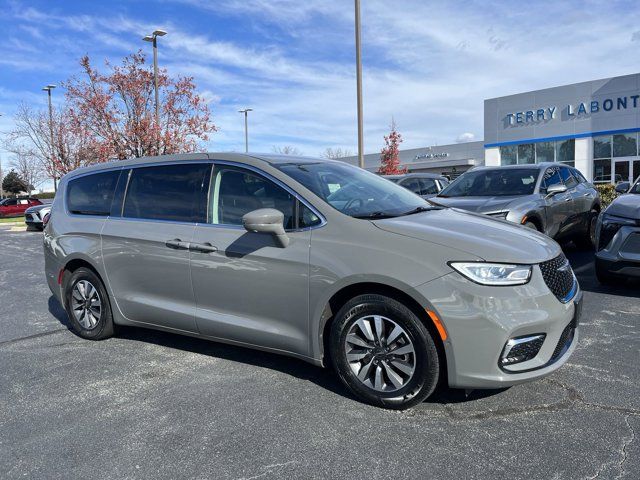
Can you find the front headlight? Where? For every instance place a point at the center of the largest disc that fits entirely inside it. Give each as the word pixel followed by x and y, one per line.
pixel 496 274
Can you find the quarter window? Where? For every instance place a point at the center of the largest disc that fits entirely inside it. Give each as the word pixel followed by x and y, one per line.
pixel 92 194
pixel 168 192
pixel 236 192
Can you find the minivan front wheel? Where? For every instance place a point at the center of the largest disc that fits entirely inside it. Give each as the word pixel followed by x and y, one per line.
pixel 88 306
pixel 383 353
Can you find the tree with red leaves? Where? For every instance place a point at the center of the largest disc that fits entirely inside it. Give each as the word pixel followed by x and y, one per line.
pixel 389 156
pixel 117 111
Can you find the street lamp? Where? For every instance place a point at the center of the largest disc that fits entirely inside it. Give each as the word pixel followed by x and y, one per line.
pixel 246 128
pixel 359 86
pixel 154 39
pixel 48 89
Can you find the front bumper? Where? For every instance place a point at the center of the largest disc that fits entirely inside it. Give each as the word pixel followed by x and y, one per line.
pixel 480 320
pixel 621 256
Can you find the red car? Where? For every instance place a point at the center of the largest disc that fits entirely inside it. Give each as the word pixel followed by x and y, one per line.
pixel 15 207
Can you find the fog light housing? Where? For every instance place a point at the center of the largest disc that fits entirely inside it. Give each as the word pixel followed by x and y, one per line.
pixel 521 349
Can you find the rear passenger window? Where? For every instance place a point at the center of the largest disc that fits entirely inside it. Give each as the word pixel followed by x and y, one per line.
pixel 92 194
pixel 412 184
pixel 168 192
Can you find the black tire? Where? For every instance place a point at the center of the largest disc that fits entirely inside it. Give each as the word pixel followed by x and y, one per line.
pixel 607 278
pixel 104 328
pixel 586 241
pixel 426 371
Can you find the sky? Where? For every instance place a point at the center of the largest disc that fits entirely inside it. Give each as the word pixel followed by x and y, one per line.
pixel 428 65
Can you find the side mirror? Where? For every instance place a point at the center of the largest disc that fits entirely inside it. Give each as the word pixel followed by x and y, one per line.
pixel 267 220
pixel 556 189
pixel 622 187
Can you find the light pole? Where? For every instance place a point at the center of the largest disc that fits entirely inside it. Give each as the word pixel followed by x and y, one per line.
pixel 246 128
pixel 359 87
pixel 154 39
pixel 48 89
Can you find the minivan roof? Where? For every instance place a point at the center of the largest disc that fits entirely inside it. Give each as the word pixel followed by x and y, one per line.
pixel 249 158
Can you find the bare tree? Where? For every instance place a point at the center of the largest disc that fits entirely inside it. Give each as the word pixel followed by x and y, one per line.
pixel 286 150
pixel 30 170
pixel 335 153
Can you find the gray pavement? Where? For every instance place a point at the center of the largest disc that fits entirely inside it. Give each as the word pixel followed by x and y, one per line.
pixel 154 405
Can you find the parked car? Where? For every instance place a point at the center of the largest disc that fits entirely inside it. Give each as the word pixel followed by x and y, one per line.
pixel 618 234
pixel 264 251
pixel 15 207
pixel 33 216
pixel 426 185
pixel 551 198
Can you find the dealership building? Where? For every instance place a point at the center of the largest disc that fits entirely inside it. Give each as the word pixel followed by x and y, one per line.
pixel 590 125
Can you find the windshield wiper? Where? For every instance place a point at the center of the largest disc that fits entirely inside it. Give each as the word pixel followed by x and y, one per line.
pixel 374 215
pixel 420 209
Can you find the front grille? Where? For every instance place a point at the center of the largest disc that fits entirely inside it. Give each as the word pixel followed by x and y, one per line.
pixel 565 340
pixel 558 276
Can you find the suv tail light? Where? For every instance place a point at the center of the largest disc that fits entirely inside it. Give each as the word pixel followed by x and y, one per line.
pixel 45 219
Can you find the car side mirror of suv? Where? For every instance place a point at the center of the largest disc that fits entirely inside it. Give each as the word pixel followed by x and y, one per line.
pixel 556 189
pixel 622 187
pixel 267 220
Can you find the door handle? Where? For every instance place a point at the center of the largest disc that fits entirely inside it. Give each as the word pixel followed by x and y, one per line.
pixel 177 244
pixel 568 199
pixel 587 194
pixel 203 247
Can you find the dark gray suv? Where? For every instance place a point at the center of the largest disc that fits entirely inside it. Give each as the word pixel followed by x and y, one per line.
pixel 618 234
pixel 552 198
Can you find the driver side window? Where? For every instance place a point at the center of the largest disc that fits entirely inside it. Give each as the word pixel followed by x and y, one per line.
pixel 236 192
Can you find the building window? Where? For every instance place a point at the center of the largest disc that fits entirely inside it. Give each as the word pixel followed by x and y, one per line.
pixel 545 152
pixel 602 147
pixel 625 145
pixel 508 155
pixel 526 153
pixel 566 151
pixel 602 170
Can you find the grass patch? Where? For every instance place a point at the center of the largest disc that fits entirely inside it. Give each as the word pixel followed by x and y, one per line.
pixel 11 220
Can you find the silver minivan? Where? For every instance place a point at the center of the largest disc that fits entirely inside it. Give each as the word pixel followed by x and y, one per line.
pixel 315 259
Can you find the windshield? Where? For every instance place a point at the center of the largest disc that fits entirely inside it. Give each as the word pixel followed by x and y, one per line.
pixel 354 191
pixel 489 183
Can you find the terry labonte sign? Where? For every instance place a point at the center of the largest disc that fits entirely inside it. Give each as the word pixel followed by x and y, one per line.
pixel 572 111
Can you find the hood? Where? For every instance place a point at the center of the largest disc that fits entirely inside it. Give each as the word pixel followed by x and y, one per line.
pixel 627 205
pixel 478 204
pixel 476 235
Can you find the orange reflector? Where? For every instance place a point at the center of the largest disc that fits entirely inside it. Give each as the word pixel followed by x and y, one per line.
pixel 524 220
pixel 436 321
pixel 60 276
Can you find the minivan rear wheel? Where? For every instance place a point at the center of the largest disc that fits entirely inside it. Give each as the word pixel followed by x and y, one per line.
pixel 383 353
pixel 87 305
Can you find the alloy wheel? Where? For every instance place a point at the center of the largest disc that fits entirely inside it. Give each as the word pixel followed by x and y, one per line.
pixel 380 353
pixel 86 304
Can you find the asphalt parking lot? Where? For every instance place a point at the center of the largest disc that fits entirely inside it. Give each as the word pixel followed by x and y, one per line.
pixel 154 405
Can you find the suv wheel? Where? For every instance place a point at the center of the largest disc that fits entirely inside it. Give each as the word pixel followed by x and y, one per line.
pixel 587 240
pixel 383 353
pixel 87 305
